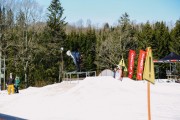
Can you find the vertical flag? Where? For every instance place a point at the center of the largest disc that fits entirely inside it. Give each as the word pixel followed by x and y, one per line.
pixel 148 73
pixel 131 57
pixel 140 64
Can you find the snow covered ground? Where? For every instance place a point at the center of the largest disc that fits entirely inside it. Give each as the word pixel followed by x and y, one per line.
pixel 94 98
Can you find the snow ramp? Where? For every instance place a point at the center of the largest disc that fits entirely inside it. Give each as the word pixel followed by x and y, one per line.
pixel 107 72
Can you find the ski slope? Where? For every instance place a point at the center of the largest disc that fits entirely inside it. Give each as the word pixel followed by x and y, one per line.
pixel 94 98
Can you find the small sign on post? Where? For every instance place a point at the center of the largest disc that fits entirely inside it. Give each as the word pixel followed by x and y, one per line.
pixel 2 75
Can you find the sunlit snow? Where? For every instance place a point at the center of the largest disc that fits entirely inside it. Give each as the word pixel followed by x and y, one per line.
pixel 94 98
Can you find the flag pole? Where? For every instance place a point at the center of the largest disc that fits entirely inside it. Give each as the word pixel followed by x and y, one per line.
pixel 148 75
pixel 149 100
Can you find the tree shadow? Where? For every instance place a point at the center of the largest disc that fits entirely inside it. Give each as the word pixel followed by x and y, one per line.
pixel 9 117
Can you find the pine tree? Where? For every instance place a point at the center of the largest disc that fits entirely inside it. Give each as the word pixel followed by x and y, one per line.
pixel 90 50
pixel 175 36
pixel 124 21
pixel 127 35
pixel 175 43
pixel 145 36
pixel 56 22
pixel 161 40
pixel 54 39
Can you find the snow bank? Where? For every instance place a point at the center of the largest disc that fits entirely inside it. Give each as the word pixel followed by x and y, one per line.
pixel 94 98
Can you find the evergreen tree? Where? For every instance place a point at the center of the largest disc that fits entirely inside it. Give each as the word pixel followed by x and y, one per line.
pixel 127 35
pixel 145 36
pixel 85 43
pixel 54 39
pixel 161 40
pixel 56 22
pixel 124 21
pixel 175 36
pixel 90 50
pixel 175 43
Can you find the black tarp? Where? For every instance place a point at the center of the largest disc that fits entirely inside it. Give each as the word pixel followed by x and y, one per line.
pixel 172 57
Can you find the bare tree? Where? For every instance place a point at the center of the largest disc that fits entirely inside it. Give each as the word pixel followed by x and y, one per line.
pixel 108 50
pixel 114 43
pixel 28 16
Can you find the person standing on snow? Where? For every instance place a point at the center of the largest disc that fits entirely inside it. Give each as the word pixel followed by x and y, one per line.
pixel 114 72
pixel 119 73
pixel 121 70
pixel 16 84
pixel 10 84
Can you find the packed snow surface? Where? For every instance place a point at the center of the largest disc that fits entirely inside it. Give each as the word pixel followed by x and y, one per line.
pixel 94 98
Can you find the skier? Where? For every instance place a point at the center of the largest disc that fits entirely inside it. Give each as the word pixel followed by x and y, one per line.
pixel 16 85
pixel 76 58
pixel 10 84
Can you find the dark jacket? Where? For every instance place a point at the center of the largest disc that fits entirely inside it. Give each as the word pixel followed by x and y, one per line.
pixel 10 81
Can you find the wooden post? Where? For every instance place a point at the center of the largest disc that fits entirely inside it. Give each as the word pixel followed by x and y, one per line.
pixel 149 100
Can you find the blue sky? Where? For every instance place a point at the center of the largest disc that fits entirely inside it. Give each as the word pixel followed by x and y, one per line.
pixel 102 11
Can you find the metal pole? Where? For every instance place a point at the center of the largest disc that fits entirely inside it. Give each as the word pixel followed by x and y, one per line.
pixel 59 73
pixel 4 73
pixel 0 58
pixel 1 52
pixel 61 68
pixel 0 61
pixel 62 62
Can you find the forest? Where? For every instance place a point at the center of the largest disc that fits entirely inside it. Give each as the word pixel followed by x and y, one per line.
pixel 31 46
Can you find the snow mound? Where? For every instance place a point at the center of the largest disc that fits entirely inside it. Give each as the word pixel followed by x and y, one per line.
pixel 94 98
pixel 107 72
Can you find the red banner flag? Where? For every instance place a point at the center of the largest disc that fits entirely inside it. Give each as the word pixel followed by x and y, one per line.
pixel 140 67
pixel 131 57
